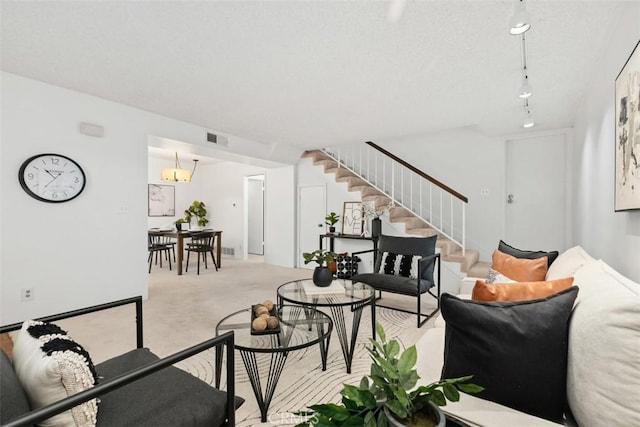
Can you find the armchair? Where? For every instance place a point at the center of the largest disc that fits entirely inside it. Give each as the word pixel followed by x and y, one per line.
pixel 405 265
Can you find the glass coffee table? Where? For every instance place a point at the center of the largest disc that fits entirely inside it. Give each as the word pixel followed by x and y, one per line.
pixel 340 294
pixel 299 327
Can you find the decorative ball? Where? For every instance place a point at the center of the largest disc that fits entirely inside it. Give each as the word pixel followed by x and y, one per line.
pixel 265 315
pixel 268 304
pixel 260 309
pixel 259 324
pixel 272 322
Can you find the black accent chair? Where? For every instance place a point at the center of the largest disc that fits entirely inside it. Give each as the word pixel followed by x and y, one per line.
pixel 157 245
pixel 415 287
pixel 138 388
pixel 202 244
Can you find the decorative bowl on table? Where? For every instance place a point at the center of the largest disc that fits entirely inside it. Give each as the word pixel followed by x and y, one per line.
pixel 264 319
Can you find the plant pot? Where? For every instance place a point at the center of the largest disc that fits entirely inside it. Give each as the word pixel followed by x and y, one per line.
pixel 376 227
pixel 434 412
pixel 322 276
pixel 332 230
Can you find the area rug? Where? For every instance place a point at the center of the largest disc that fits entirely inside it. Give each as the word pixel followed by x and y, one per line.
pixel 303 382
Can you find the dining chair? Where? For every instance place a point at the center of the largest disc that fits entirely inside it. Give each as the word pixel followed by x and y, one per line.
pixel 157 246
pixel 202 244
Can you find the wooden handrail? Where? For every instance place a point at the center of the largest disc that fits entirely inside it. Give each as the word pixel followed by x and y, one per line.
pixel 419 172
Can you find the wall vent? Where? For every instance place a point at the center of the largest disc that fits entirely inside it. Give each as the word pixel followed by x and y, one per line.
pixel 217 139
pixel 228 251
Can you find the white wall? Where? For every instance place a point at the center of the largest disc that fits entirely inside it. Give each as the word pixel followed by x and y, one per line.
pixel 92 249
pixel 279 216
pixel 613 236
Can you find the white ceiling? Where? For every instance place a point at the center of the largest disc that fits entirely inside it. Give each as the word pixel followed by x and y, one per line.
pixel 315 73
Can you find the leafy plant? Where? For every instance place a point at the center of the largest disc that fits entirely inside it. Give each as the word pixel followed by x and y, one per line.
pixel 199 210
pixel 331 219
pixel 319 256
pixel 391 384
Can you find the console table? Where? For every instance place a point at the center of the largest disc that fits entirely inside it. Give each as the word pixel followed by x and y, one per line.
pixel 332 238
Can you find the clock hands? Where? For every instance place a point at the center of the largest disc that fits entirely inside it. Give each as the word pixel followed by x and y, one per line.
pixel 52 175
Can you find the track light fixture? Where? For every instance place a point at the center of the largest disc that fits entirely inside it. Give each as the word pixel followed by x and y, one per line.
pixel 520 22
pixel 528 121
pixel 525 89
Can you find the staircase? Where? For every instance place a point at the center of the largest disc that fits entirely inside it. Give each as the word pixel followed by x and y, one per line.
pixel 450 250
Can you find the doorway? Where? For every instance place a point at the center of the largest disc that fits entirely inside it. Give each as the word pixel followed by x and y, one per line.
pixel 255 215
pixel 311 203
pixel 536 193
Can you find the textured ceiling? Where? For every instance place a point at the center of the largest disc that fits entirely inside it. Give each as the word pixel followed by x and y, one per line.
pixel 315 73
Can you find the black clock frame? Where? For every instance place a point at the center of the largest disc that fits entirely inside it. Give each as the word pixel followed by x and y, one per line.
pixel 26 188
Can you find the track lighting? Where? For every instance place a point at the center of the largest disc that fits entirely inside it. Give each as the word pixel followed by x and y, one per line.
pixel 520 22
pixel 525 89
pixel 528 121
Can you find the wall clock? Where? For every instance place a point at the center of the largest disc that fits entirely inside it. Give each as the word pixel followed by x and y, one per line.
pixel 52 178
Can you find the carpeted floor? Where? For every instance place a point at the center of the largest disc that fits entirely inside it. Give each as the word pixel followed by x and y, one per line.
pixel 183 310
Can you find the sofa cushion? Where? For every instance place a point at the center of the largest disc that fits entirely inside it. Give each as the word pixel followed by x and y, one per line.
pixel 516 350
pixel 568 263
pixel 519 290
pixel 50 367
pixel 494 276
pixel 13 401
pixel 391 283
pixel 521 253
pixel 520 269
pixel 603 378
pixel 151 401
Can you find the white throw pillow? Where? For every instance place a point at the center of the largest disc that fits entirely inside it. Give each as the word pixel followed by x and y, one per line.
pixel 494 276
pixel 568 263
pixel 48 378
pixel 603 379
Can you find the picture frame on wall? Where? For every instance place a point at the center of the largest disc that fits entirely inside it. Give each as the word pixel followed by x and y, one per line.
pixel 627 134
pixel 353 219
pixel 162 200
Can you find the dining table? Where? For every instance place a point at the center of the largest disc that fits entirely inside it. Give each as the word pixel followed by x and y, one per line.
pixel 185 234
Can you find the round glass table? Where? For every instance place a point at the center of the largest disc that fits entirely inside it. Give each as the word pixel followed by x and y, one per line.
pixel 299 327
pixel 341 293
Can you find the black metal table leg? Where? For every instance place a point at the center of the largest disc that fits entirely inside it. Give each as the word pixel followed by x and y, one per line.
pixel 276 366
pixel 348 347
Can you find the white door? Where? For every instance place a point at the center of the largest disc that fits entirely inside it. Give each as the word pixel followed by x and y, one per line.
pixel 536 193
pixel 255 222
pixel 311 202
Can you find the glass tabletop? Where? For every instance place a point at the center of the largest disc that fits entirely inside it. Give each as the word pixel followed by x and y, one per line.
pixel 299 327
pixel 339 292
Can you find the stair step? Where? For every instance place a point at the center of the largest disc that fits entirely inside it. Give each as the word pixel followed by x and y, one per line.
pixel 352 181
pixel 423 232
pixel 399 211
pixel 479 269
pixel 469 258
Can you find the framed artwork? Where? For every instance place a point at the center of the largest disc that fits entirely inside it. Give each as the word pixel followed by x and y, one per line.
pixel 627 138
pixel 353 219
pixel 162 200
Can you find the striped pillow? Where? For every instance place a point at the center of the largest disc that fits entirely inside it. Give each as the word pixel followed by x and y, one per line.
pixel 399 265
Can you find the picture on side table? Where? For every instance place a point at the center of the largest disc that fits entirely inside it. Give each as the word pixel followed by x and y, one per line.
pixel 353 219
pixel 627 137
pixel 162 200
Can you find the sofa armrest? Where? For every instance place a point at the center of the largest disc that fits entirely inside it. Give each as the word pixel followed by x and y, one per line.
pixel 226 339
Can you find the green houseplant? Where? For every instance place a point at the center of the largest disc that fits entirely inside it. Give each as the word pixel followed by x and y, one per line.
pixel 199 210
pixel 388 395
pixel 322 275
pixel 178 222
pixel 331 219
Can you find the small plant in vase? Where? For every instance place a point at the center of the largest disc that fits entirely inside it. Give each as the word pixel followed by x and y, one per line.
pixel 322 275
pixel 199 210
pixel 388 395
pixel 331 220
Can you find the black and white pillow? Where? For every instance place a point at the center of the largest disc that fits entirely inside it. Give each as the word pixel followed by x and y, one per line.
pixel 399 265
pixel 50 367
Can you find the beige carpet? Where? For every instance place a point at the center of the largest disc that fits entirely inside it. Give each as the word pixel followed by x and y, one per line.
pixel 183 310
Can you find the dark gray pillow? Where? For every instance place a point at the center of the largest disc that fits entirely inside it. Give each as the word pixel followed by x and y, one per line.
pixel 516 350
pixel 520 253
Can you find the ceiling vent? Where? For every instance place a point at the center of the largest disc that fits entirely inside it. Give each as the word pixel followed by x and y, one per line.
pixel 217 139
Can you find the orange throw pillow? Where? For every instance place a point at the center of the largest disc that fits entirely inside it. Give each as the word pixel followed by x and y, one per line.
pixel 518 291
pixel 520 269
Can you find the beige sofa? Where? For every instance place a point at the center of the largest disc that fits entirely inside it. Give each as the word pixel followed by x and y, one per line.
pixel 603 364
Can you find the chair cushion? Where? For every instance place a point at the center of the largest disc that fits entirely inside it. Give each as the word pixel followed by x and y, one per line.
pixel 519 290
pixel 522 270
pixel 13 401
pixel 168 397
pixel 520 253
pixel 50 367
pixel 390 283
pixel 516 350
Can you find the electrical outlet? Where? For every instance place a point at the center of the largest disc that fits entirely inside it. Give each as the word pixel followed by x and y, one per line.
pixel 484 192
pixel 27 294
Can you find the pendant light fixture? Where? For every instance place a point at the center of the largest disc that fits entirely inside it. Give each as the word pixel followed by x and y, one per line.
pixel 178 174
pixel 528 121
pixel 520 22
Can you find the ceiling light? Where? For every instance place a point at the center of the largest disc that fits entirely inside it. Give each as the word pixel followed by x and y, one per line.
pixel 525 89
pixel 520 22
pixel 528 122
pixel 178 174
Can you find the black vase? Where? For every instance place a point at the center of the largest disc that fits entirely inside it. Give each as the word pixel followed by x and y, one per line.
pixel 332 230
pixel 322 276
pixel 376 227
